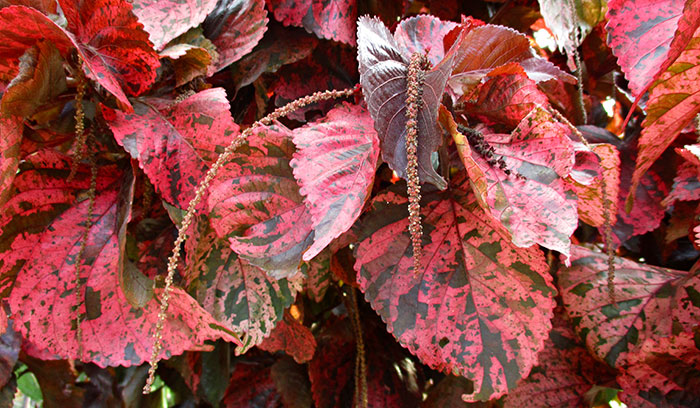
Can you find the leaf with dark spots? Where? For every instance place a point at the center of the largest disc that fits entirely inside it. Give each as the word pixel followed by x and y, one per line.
pixel 479 308
pixel 383 75
pixel 318 275
pixel 40 235
pixel 506 97
pixel 650 302
pixel 686 184
pixel 591 205
pixel 490 46
pixel 533 201
pixel 647 36
pixel 423 34
pixel 10 144
pixel 334 165
pixel 175 142
pixel 235 27
pixel 293 338
pixel 665 373
pixel 256 204
pixel 674 100
pixel 240 296
pixel 41 78
pixel 329 19
pixel 165 20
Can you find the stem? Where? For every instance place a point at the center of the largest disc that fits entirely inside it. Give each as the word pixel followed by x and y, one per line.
pixel 360 362
pixel 580 106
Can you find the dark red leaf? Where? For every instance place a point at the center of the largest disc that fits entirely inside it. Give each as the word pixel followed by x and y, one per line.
pixel 251 386
pixel 571 21
pixel 665 373
pixel 10 341
pixel 329 19
pixel 647 36
pixel 57 380
pixel 650 302
pixel 686 185
pixel 239 295
pixel 453 313
pixel 490 46
pixel 674 100
pixel 175 141
pixel 292 382
pixel 448 394
pixel 45 6
pixel 424 34
pixel 40 79
pixel 235 27
pixel 191 55
pixel 535 207
pixel 10 143
pixel 39 265
pixel 256 204
pixel 591 206
pixel 165 20
pixel 334 165
pixel 293 338
pixel 383 70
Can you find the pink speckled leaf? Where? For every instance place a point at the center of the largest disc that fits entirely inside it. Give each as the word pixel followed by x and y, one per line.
pixel 674 100
pixel 490 46
pixel 39 266
pixel 165 20
pixel 235 27
pixel 664 374
pixel 335 164
pixel 255 203
pixel 239 295
pixel 686 184
pixel 647 36
pixel 329 19
pixel 506 97
pixel 293 338
pixel 649 302
pixel 115 49
pixel 591 206
pixel 175 142
pixel 10 142
pixel 535 207
pixel 318 275
pixel 383 70
pixel 424 34
pixel 480 308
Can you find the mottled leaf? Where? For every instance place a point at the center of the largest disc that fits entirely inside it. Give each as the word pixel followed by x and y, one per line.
pixel 318 275
pixel 45 216
pixel 665 373
pixel 591 206
pixel 674 100
pixel 423 34
pixel 647 36
pixel 41 78
pixel 165 20
pixel 490 46
pixel 239 295
pixel 466 311
pixel 329 19
pixel 293 338
pixel 383 75
pixel 535 206
pixel 572 20
pixel 10 143
pixel 649 302
pixel 256 204
pixel 686 184
pixel 175 141
pixel 334 165
pixel 235 27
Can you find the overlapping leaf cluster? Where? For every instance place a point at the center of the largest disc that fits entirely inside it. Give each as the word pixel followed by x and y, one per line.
pixel 512 303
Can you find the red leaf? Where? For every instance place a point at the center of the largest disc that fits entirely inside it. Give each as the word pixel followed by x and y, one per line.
pixel 10 143
pixel 664 374
pixel 383 70
pixel 256 204
pixel 424 34
pixel 507 96
pixel 251 386
pixel 686 185
pixel 674 100
pixel 490 46
pixel 647 36
pixel 453 313
pixel 535 207
pixel 649 302
pixel 235 27
pixel 293 338
pixel 43 294
pixel 114 47
pixel 45 6
pixel 165 20
pixel 329 19
pixel 335 165
pixel 239 295
pixel 175 142
pixel 591 206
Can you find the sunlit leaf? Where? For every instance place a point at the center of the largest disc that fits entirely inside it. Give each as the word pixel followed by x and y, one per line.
pixel 165 20
pixel 10 143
